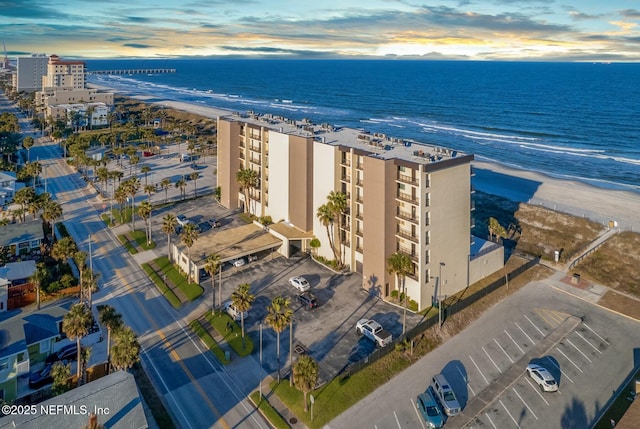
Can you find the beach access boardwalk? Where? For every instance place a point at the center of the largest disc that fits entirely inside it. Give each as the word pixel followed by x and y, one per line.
pixel 132 71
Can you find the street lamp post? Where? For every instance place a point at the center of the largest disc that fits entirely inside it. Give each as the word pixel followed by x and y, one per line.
pixel 441 296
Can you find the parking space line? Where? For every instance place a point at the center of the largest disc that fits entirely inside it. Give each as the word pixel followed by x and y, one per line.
pixel 415 407
pixel 507 411
pixel 503 350
pixel 588 342
pixel 490 421
pixel 548 319
pixel 466 380
pixel 598 335
pixel 525 404
pixel 567 358
pixel 492 361
pixel 514 341
pixel 534 325
pixel 536 390
pixel 525 334
pixel 559 369
pixel 579 351
pixel 397 421
pixel 478 368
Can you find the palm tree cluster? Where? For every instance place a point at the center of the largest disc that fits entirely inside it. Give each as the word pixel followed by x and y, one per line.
pixel 279 316
pixel 242 299
pixel 247 179
pixel 332 216
pixel 401 265
pixel 125 351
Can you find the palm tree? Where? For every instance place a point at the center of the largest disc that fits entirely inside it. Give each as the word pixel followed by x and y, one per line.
pixel 338 204
pixel 194 176
pixel 149 190
pixel 64 249
pixel 126 349
pixel 247 179
pixel 169 223
pixel 189 235
pixel 182 184
pixel 103 175
pixel 80 258
pixel 120 195
pixel 52 210
pixel 495 229
pixel 27 143
pixel 242 299
pixel 112 320
pixel 211 266
pixel 39 277
pixel 90 110
pixel 325 216
pixel 305 376
pixel 132 188
pixel 75 325
pixel 133 161
pixel 278 318
pixel 166 182
pixel 400 264
pixel 145 213
pixel 60 374
pixel 145 169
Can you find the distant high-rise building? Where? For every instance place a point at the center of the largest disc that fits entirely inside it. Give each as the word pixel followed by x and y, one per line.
pixel 29 72
pixel 64 74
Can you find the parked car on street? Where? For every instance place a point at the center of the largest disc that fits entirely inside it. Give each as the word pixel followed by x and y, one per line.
pixel 300 283
pixel 308 300
pixel 542 377
pixel 430 409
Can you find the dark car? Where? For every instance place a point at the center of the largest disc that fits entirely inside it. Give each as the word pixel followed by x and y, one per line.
pixel 308 300
pixel 215 223
pixel 42 377
pixel 68 352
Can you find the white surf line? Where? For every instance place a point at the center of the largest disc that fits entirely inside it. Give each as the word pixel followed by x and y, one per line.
pixel 490 421
pixel 466 379
pixel 397 421
pixel 588 342
pixel 503 350
pixel 579 351
pixel 415 408
pixel 509 414
pixel 598 335
pixel 492 361
pixel 525 334
pixel 537 391
pixel 514 341
pixel 559 369
pixel 567 358
pixel 525 404
pixel 478 368
pixel 534 325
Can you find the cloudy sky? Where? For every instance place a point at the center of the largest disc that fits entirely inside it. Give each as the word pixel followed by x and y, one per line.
pixel 574 30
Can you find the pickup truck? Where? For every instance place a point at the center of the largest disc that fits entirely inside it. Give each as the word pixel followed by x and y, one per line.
pixel 374 331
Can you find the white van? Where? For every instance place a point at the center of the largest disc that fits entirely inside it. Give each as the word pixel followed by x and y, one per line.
pixel 185 157
pixel 234 313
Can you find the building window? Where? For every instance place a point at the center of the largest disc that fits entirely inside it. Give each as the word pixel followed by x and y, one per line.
pixel 44 346
pixel 20 357
pixel 4 364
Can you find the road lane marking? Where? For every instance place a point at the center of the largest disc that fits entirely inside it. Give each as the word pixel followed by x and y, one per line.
pixel 503 350
pixel 466 379
pixel 579 351
pixel 546 318
pixel 534 325
pixel 492 361
pixel 525 334
pixel 478 368
pixel 525 404
pixel 415 407
pixel 536 389
pixel 397 421
pixel 173 353
pixel 588 342
pixel 514 341
pixel 559 369
pixel 490 421
pixel 567 358
pixel 598 335
pixel 509 414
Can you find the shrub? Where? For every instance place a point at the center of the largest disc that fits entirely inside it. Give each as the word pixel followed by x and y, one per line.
pixel 67 280
pixel 394 294
pixel 265 220
pixel 413 305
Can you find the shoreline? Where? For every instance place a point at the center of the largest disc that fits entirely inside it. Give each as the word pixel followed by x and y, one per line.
pixel 570 196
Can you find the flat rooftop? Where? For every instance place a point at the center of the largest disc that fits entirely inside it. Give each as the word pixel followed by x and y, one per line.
pixel 376 144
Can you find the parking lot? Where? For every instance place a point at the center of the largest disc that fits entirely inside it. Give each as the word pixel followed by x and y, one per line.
pixel 589 363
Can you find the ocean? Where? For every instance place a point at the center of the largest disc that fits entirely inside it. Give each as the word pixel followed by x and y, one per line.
pixel 578 121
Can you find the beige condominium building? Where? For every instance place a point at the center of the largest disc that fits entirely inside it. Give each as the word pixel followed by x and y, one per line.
pixel 401 196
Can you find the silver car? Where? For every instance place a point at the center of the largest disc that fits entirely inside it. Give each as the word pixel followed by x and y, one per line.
pixel 542 377
pixel 445 394
pixel 300 283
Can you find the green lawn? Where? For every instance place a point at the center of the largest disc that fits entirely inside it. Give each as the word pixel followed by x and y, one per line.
pixel 191 290
pixel 234 336
pixel 209 341
pixel 268 411
pixel 164 290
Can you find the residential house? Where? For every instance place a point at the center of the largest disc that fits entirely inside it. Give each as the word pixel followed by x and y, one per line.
pixel 22 238
pixel 7 187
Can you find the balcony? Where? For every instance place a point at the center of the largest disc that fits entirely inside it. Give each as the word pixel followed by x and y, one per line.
pixel 359 216
pixel 413 199
pixel 359 166
pixel 473 205
pixel 359 249
pixel 346 162
pixel 346 178
pixel 407 179
pixel 413 255
pixel 255 148
pixel 404 215
pixel 359 199
pixel 241 156
pixel 359 232
pixel 255 161
pixel 359 182
pixel 408 235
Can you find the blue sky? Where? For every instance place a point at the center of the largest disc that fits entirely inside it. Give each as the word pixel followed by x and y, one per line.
pixel 539 30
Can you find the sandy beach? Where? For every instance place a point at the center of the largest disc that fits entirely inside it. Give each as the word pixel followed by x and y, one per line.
pixel 569 196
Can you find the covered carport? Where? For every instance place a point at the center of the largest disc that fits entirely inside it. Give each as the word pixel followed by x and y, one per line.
pixel 229 244
pixel 294 240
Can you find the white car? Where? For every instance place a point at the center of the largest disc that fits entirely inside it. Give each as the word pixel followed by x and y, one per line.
pixel 543 377
pixel 300 283
pixel 182 220
pixel 234 313
pixel 238 262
